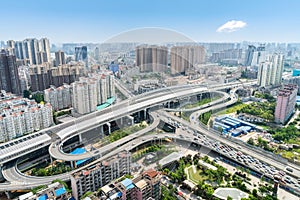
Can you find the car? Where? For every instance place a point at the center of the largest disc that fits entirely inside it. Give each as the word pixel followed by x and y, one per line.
pixel 289 169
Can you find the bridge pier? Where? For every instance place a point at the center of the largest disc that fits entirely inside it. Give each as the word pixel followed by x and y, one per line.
pixel 131 120
pixel 72 163
pixel 109 128
pixel 80 137
pixel 101 129
pixel 9 195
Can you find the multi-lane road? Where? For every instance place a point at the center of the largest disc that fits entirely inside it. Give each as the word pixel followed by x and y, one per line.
pixel 122 109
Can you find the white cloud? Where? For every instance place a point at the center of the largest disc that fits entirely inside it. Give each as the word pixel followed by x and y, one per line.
pixel 231 26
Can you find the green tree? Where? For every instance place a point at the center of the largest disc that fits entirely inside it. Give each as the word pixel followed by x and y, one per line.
pixel 254 192
pixel 26 94
pixel 250 141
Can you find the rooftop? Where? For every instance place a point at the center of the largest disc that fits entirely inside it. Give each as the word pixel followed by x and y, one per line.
pixel 127 183
pixel 141 184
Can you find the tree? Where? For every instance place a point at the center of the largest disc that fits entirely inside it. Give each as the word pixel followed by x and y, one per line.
pixel 250 141
pixel 229 198
pixel 254 192
pixel 26 94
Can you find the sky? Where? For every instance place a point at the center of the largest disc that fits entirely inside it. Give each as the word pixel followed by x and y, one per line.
pixel 97 21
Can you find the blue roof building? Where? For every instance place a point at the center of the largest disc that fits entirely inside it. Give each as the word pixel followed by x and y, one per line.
pixel 127 183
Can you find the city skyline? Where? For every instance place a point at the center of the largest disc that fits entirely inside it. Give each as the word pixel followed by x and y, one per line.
pixel 203 21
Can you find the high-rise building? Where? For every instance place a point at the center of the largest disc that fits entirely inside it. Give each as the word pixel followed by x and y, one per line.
pixel 59 97
pixel 9 77
pixel 249 55
pixel 45 48
pixel 42 76
pixel 39 77
pixel 91 91
pixel 34 47
pixel 270 71
pixel 24 77
pixel 84 96
pixel 19 116
pixel 285 104
pixel 60 58
pixel 100 174
pixel 81 54
pixel 31 50
pixel 10 44
pixel 277 69
pixel 264 75
pixel 184 58
pixel 152 58
pixel 258 56
pixel 97 54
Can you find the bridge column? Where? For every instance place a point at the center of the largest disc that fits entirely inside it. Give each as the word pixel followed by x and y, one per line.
pixel 101 129
pixel 72 164
pixel 9 195
pixel 109 128
pixel 80 138
pixel 145 114
pixel 131 120
pixel 51 159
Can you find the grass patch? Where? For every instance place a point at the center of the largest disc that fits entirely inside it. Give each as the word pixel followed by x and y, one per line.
pixel 232 109
pixel 185 116
pixel 290 154
pixel 195 177
pixel 200 103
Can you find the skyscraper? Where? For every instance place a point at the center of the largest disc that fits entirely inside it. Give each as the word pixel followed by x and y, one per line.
pixel 97 53
pixel 60 58
pixel 249 55
pixel 277 69
pixel 31 50
pixel 91 91
pixel 183 58
pixel 270 71
pixel 9 77
pixel 263 77
pixel 285 104
pixel 81 54
pixel 258 56
pixel 152 58
pixel 45 48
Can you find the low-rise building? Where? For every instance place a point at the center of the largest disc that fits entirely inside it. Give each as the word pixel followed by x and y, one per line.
pixel 54 191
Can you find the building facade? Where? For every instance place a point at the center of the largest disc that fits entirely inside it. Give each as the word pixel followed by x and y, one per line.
pixel 81 54
pixel 32 51
pixel 285 104
pixel 19 116
pixel 270 71
pixel 60 58
pixel 42 76
pixel 91 91
pixel 101 174
pixel 152 58
pixel 144 187
pixel 9 77
pixel 184 58
pixel 59 97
